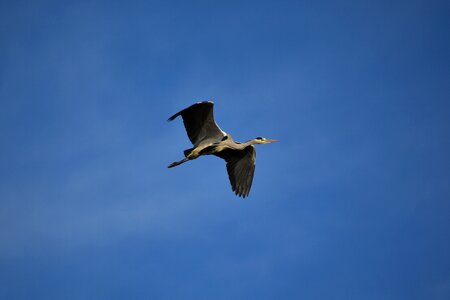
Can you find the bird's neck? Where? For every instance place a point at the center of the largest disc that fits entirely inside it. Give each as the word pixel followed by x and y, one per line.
pixel 250 142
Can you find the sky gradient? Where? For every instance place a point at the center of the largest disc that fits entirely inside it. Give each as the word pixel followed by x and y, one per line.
pixel 352 203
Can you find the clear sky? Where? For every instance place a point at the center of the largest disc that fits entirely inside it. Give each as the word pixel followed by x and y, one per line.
pixel 352 203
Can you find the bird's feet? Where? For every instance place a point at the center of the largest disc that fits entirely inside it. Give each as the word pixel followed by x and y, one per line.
pixel 176 163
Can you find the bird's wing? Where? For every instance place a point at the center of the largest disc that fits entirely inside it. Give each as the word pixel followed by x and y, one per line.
pixel 199 122
pixel 240 168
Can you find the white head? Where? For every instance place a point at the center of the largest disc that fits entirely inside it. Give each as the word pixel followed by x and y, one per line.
pixel 261 140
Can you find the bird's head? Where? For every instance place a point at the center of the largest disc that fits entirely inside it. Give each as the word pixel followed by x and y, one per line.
pixel 262 140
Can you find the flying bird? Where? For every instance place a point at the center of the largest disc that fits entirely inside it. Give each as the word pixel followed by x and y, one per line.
pixel 209 139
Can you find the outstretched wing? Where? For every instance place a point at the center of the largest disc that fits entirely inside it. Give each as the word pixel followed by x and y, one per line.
pixel 199 122
pixel 240 168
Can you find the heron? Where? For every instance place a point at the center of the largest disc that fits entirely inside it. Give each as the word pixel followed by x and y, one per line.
pixel 208 139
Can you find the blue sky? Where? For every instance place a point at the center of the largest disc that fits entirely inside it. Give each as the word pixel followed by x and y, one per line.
pixel 353 203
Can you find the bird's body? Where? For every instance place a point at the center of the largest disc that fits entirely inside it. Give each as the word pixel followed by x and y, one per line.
pixel 209 139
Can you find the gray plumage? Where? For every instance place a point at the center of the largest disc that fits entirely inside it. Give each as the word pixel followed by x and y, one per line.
pixel 209 139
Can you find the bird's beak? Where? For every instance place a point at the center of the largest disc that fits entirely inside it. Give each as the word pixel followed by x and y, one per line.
pixel 271 141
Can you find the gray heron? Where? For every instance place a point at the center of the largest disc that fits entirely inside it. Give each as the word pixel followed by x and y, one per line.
pixel 208 139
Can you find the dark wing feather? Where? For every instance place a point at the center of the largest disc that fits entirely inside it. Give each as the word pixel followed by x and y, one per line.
pixel 199 122
pixel 240 168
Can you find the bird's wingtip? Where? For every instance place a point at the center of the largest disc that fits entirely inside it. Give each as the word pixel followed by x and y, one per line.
pixel 173 117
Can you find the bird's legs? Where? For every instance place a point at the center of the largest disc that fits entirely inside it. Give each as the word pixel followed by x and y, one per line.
pixel 176 163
